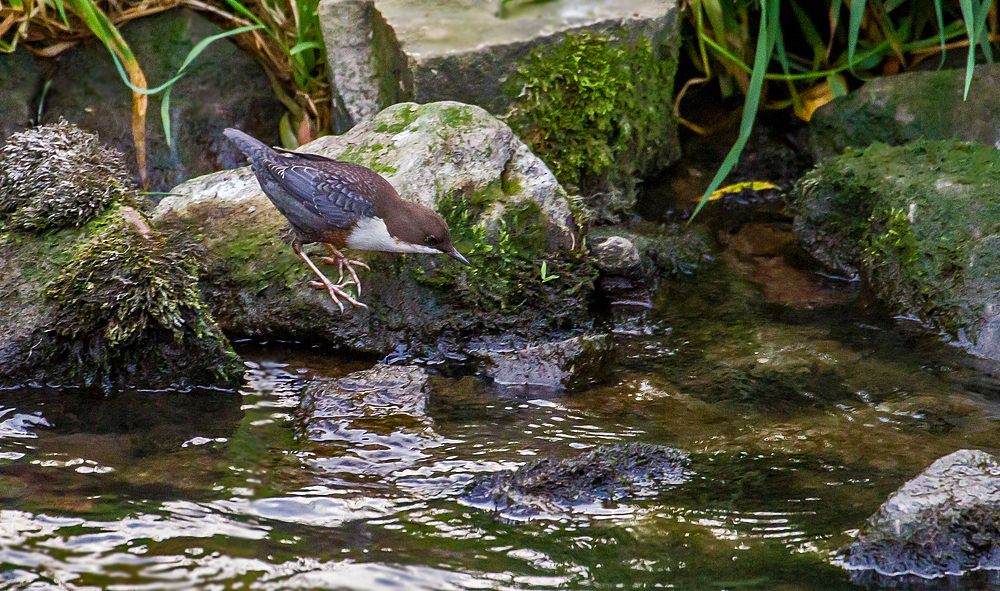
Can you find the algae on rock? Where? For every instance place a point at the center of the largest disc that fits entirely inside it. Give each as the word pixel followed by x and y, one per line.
pixel 90 295
pixel 920 224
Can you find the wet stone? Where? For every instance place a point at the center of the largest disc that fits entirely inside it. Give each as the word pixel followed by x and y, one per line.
pixel 946 521
pixel 572 363
pixel 616 255
pixel 377 392
pixel 556 486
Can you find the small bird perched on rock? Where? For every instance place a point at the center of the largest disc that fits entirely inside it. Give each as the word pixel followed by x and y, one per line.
pixel 342 205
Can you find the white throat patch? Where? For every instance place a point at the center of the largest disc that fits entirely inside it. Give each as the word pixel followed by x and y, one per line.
pixel 372 234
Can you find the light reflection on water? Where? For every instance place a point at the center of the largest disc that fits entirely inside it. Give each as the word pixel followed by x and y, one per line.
pixel 241 494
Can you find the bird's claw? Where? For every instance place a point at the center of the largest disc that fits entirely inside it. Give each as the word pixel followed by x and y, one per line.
pixel 335 290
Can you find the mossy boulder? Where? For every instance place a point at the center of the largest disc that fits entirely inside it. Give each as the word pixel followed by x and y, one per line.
pixel 899 109
pixel 89 295
pixel 597 108
pixel 506 211
pixel 920 224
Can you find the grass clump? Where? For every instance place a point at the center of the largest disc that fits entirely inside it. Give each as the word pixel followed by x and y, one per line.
pixel 58 176
pixel 590 102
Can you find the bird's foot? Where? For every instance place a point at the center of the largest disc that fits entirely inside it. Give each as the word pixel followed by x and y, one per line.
pixel 336 290
pixel 341 262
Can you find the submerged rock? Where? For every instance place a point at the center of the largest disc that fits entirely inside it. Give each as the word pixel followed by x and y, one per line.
pixel 572 363
pixel 608 473
pixel 368 422
pixel 90 295
pixel 507 214
pixel 946 521
pixel 920 224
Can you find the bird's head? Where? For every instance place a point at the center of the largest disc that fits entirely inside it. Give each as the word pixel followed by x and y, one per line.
pixel 427 232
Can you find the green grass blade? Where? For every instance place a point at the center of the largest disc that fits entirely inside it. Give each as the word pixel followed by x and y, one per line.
pixel 939 13
pixel 61 7
pixel 165 118
pixel 766 39
pixel 304 45
pixel 857 14
pixel 200 47
pixel 813 38
pixel 968 15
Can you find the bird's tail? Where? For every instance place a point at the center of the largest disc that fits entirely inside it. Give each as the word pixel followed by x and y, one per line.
pixel 250 146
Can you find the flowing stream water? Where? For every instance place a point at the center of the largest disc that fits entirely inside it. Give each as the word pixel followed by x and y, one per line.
pixel 799 423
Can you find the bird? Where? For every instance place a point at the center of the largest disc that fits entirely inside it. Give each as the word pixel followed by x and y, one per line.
pixel 342 205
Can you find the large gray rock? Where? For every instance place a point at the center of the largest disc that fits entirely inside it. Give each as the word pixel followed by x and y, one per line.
pixel 536 63
pixel 899 109
pixel 462 50
pixel 946 521
pixel 506 212
pixel 222 88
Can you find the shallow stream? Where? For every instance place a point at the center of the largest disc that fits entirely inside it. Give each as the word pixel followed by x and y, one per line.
pixel 799 423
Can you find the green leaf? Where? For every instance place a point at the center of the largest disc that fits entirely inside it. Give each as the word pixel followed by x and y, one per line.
pixel 304 45
pixel 857 14
pixel 767 36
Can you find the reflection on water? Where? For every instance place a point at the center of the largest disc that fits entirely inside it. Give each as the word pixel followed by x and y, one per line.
pixel 798 426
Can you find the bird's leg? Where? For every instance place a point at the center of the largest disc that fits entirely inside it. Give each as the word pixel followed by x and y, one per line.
pixel 341 261
pixel 333 290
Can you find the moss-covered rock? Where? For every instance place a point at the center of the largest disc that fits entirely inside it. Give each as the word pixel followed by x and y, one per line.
pixel 899 109
pixel 598 110
pixel 530 278
pixel 920 224
pixel 103 301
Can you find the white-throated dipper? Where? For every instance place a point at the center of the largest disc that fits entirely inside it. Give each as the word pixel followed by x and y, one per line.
pixel 342 205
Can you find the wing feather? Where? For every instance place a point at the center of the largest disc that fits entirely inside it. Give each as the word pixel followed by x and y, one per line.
pixel 329 194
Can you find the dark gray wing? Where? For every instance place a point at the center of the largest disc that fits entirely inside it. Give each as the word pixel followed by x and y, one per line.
pixel 324 191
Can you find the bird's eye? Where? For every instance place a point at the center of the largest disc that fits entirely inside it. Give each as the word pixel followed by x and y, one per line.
pixel 431 241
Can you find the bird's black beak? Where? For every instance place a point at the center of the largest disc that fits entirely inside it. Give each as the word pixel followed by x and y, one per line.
pixel 458 256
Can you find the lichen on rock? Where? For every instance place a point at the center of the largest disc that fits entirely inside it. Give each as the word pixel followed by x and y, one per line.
pixel 57 176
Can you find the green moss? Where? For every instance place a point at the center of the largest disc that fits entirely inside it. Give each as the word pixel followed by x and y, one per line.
pixel 370 155
pixel 592 101
pixel 913 219
pixel 122 293
pixel 506 272
pixel 403 118
pixel 456 116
